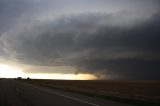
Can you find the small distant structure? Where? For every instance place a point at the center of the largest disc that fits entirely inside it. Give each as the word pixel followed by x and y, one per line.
pixel 19 78
pixel 28 78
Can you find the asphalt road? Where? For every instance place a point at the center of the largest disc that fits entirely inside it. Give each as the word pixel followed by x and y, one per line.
pixel 15 93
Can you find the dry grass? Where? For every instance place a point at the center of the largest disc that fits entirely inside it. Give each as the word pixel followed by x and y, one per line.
pixel 141 90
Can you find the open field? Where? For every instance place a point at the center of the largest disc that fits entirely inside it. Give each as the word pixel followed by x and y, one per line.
pixel 146 91
pixel 18 93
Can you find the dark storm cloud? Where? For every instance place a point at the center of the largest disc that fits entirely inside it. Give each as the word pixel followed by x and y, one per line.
pixel 133 53
pixel 122 44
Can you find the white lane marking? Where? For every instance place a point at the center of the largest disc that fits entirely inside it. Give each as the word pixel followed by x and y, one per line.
pixel 73 98
pixel 52 92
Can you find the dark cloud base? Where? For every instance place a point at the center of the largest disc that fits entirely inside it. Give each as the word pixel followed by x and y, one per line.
pixel 133 69
pixel 90 42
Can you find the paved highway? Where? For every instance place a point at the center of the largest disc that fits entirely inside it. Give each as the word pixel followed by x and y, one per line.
pixel 15 93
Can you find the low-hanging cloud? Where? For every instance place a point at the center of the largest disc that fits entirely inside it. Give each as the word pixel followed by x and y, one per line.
pixel 119 45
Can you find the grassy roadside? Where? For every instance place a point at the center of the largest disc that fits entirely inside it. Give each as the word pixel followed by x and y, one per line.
pixel 116 98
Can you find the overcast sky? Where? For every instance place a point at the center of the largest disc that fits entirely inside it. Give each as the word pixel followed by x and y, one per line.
pixel 112 39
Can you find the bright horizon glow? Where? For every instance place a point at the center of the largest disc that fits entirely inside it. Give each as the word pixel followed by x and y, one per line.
pixel 7 71
pixel 63 76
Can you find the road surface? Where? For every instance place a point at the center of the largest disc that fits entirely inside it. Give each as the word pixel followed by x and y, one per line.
pixel 16 93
